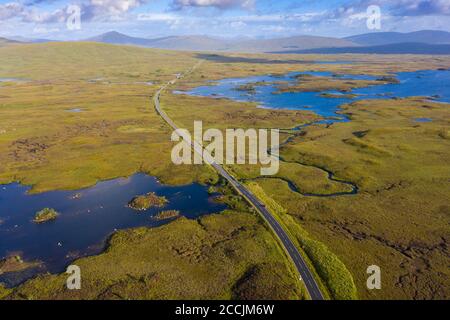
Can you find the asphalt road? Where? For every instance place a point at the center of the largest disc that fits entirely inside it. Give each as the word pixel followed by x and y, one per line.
pixel 291 250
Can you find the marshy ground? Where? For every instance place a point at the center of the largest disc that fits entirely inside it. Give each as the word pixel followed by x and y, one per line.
pixel 398 219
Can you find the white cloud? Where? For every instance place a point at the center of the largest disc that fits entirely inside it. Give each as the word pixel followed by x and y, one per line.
pixel 277 29
pixel 10 10
pixel 157 17
pixel 404 8
pixel 44 30
pixel 37 16
pixel 221 4
pixel 297 17
pixel 16 10
pixel 90 9
pixel 421 7
pixel 238 24
pixel 108 9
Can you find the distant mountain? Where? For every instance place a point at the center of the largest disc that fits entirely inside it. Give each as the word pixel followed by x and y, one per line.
pixel 382 38
pixel 5 42
pixel 114 37
pixel 290 44
pixel 191 43
pixel 395 48
pixel 29 40
pixel 205 43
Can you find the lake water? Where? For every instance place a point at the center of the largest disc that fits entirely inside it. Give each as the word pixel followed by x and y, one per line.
pixel 75 110
pixel 86 220
pixel 434 84
pixel 423 120
pixel 12 80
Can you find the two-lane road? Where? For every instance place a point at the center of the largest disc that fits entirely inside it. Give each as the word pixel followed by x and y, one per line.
pixel 288 245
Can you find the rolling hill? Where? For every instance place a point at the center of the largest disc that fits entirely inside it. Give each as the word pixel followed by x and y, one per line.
pixel 114 37
pixel 205 43
pixel 5 42
pixel 290 44
pixel 30 40
pixel 191 43
pixel 419 42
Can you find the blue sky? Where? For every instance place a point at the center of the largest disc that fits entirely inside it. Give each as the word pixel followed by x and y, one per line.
pixel 225 18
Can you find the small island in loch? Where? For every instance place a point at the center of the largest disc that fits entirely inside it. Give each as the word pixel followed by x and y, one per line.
pixel 15 263
pixel 147 201
pixel 45 215
pixel 168 214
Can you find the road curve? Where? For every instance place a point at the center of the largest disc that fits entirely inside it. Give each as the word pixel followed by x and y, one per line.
pixel 288 245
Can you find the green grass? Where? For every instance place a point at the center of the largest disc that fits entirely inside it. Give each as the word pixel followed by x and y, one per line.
pixel 398 220
pixel 44 145
pixel 305 179
pixel 147 201
pixel 167 214
pixel 329 267
pixel 4 291
pixel 332 272
pixel 15 263
pixel 69 61
pixel 310 83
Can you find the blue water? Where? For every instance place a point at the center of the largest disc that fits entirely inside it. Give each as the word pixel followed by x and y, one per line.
pixel 427 83
pixel 423 120
pixel 11 80
pixel 434 84
pixel 334 62
pixel 85 223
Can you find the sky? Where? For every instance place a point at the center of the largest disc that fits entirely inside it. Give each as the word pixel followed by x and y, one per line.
pixel 80 19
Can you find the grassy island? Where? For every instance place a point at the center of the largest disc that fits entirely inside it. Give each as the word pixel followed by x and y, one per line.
pixel 249 88
pixel 147 201
pixel 168 214
pixel 15 263
pixel 45 215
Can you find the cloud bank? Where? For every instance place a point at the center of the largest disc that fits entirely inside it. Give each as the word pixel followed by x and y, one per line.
pixel 220 4
pixel 90 10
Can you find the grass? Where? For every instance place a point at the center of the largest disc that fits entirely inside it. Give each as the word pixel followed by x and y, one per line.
pixel 398 220
pixel 337 280
pixel 310 83
pixel 44 145
pixel 331 269
pixel 91 61
pixel 15 263
pixel 168 214
pixel 262 281
pixel 304 179
pixel 4 291
pixel 222 113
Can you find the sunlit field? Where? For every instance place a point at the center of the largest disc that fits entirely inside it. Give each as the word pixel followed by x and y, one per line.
pixel 371 190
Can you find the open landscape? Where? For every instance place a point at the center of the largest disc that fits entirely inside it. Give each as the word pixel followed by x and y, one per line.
pixel 87 176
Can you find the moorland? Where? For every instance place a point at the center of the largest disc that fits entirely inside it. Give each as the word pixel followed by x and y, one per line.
pixel 73 114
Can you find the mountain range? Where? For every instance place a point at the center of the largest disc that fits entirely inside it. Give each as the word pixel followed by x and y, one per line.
pixel 29 40
pixel 384 38
pixel 5 42
pixel 206 43
pixel 419 42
